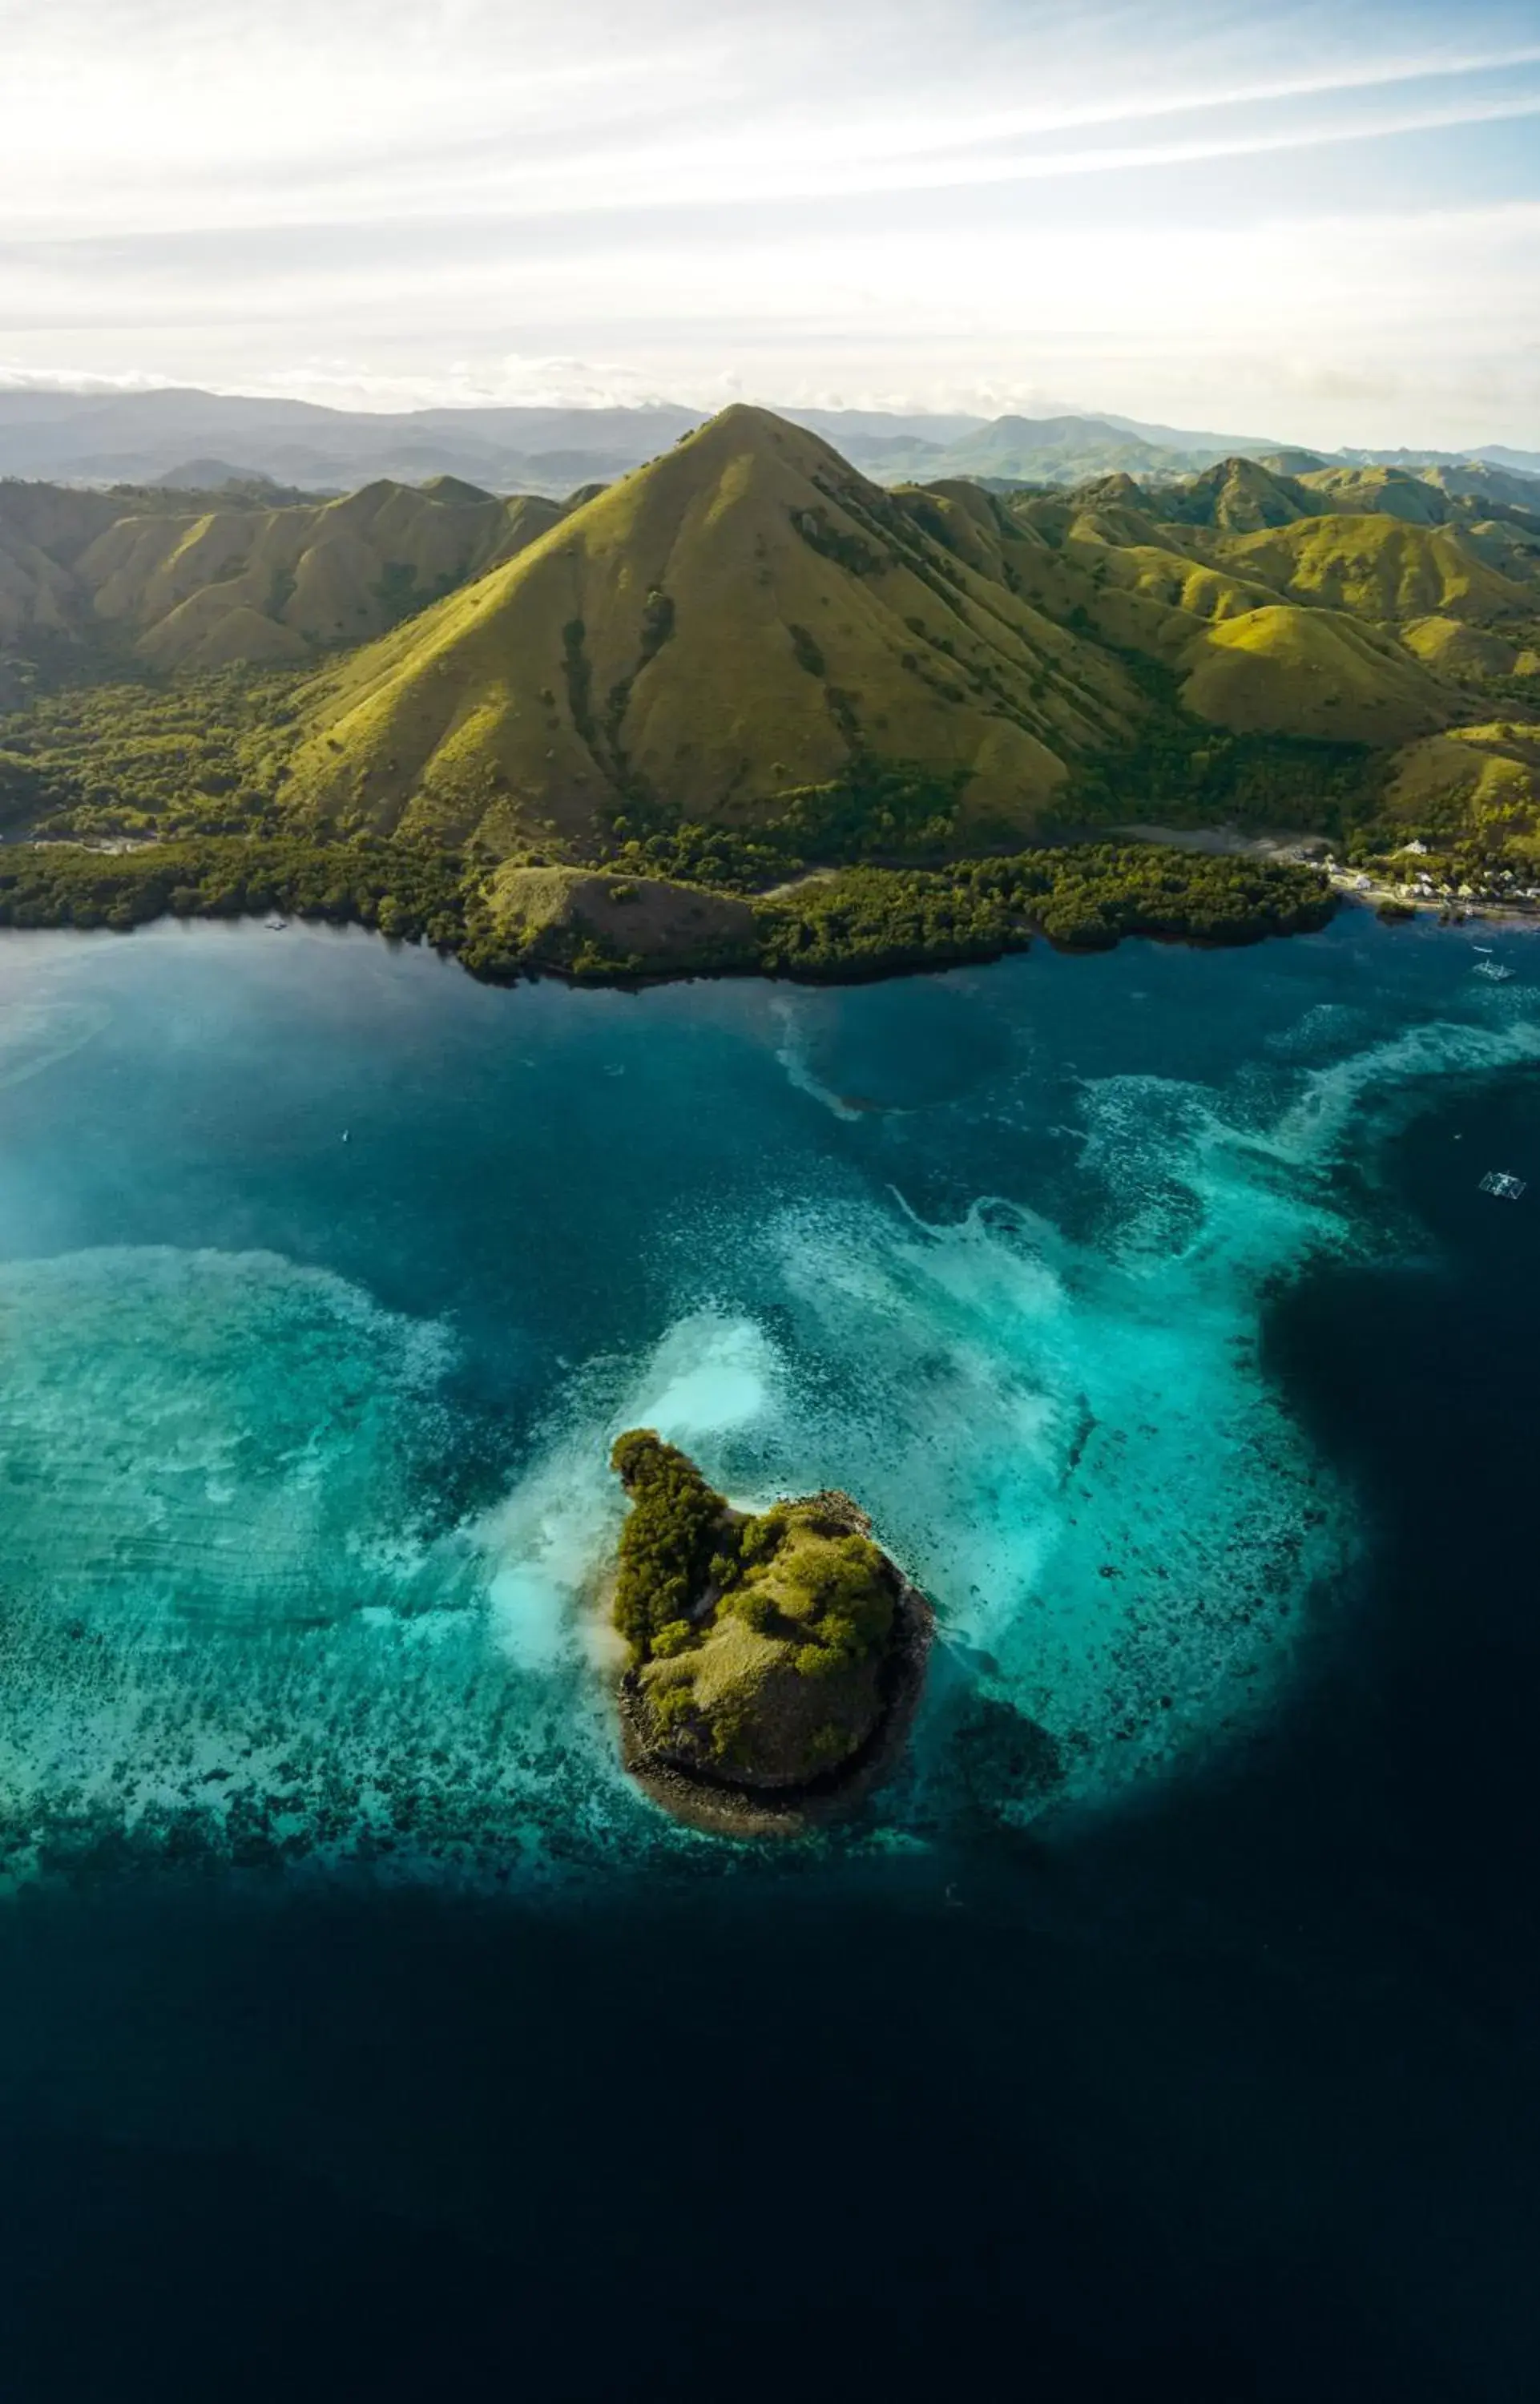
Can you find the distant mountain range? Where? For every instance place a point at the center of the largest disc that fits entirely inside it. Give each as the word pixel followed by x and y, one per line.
pixel 138 437
pixel 203 441
pixel 1498 454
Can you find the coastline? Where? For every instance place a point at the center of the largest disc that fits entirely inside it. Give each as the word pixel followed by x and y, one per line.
pixel 855 925
pixel 854 970
pixel 535 971
pixel 1385 901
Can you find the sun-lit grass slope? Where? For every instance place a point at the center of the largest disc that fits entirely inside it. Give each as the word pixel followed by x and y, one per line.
pixel 1444 595
pixel 220 581
pixel 240 583
pixel 1426 495
pixel 1478 480
pixel 746 656
pixel 1241 496
pixel 1094 546
pixel 1377 491
pixel 1452 648
pixel 1142 585
pixel 1379 568
pixel 1238 496
pixel 1510 545
pixel 1311 672
pixel 1124 553
pixel 1246 658
pixel 744 617
pixel 1486 776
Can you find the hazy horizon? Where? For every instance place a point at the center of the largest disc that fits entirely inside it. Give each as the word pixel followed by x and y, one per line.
pixel 1044 412
pixel 1322 229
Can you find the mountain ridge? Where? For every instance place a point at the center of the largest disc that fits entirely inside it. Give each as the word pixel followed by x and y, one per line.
pixel 202 581
pixel 106 436
pixel 747 653
pixel 744 617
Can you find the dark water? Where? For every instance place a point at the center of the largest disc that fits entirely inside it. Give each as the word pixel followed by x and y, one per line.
pixel 364 2035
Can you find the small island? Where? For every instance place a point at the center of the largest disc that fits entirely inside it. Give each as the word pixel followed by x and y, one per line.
pixel 775 1659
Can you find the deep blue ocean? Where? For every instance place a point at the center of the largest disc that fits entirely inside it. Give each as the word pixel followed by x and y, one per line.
pixel 1169 2025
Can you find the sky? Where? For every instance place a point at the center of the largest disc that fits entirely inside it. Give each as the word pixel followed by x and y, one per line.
pixel 1314 223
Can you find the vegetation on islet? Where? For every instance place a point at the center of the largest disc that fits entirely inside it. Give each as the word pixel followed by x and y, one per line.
pixel 756 1642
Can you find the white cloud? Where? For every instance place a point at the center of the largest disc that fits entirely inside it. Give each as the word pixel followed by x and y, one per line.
pixel 510 382
pixel 15 379
pixel 452 200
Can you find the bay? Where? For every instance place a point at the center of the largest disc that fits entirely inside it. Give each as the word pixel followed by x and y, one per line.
pixel 1166 2015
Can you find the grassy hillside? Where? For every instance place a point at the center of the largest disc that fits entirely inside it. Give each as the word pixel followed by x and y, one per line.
pixel 743 619
pixel 43 530
pixel 1380 568
pixel 193 590
pixel 1425 495
pixel 1478 782
pixel 746 660
pixel 1510 543
pixel 749 623
pixel 187 586
pixel 1312 673
pixel 582 924
pixel 1462 652
pixel 1238 496
pixel 1479 480
pixel 1375 491
pixel 1208 608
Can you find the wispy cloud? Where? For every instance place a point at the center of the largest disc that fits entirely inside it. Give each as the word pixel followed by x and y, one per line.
pixel 59 378
pixel 442 199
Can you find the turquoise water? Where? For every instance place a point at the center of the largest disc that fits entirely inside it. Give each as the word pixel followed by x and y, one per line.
pixel 326 1276
pixel 1166 2028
